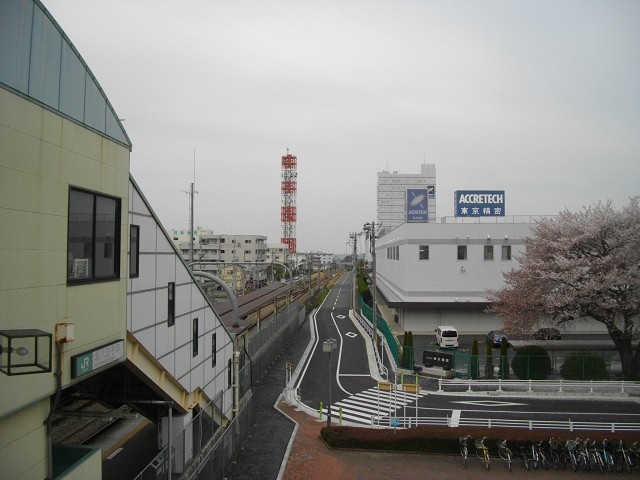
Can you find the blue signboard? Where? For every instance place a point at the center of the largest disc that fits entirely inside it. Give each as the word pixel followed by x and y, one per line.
pixel 479 203
pixel 417 205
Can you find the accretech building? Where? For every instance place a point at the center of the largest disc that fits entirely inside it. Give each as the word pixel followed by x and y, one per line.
pixel 435 271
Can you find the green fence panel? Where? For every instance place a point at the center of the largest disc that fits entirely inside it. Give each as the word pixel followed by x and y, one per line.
pixel 573 366
pixel 382 328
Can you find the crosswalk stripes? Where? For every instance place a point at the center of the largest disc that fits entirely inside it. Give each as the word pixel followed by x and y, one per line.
pixel 359 408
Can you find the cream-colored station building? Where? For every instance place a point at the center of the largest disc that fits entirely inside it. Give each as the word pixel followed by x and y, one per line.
pixel 94 297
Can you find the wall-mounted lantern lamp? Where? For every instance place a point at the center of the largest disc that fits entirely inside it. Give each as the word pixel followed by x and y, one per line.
pixel 462 269
pixel 23 352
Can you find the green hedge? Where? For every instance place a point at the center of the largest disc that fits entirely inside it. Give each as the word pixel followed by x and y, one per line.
pixel 584 366
pixel 441 439
pixel 531 363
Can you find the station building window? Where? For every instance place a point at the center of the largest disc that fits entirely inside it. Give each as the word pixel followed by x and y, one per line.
pixel 506 252
pixel 93 237
pixel 462 252
pixel 134 253
pixel 488 252
pixel 423 252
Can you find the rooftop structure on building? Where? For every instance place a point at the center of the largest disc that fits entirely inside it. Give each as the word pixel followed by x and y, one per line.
pixel 392 195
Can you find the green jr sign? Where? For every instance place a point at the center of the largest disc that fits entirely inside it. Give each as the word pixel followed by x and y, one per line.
pixel 94 359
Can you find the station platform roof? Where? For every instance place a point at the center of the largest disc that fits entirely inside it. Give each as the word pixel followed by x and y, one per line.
pixel 248 304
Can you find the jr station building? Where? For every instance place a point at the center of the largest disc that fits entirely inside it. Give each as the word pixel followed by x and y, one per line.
pixel 95 299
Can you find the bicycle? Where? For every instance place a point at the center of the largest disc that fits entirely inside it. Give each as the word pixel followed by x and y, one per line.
pixel 542 450
pixel 554 452
pixel 464 450
pixel 623 460
pixel 582 455
pixel 482 452
pixel 570 455
pixel 505 453
pixel 595 459
pixel 608 454
pixel 524 447
pixel 634 454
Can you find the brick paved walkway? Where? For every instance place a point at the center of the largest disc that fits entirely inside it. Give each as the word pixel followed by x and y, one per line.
pixel 310 459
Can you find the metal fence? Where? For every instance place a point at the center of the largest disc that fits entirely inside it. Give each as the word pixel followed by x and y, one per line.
pixel 265 344
pixel 201 439
pixel 204 449
pixel 568 425
pixel 603 365
pixel 585 388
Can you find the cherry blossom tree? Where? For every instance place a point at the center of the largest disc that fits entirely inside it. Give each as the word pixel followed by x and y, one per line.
pixel 578 265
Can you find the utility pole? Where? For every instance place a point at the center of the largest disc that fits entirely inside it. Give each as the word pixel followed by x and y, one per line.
pixel 191 194
pixel 353 237
pixel 371 229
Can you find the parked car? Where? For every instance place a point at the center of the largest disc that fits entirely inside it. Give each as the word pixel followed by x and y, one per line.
pixel 547 334
pixel 496 336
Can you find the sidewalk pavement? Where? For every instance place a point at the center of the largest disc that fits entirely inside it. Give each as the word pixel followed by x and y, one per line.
pixel 309 459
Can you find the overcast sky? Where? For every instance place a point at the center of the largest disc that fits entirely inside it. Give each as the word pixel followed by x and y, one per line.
pixel 537 98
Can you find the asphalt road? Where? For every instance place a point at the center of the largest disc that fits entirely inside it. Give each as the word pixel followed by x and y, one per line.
pixel 349 365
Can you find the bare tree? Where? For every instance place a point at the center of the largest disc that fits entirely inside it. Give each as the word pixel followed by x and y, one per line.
pixel 577 265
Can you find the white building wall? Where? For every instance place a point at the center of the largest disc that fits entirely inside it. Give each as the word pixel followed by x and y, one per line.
pixel 147 311
pixel 444 290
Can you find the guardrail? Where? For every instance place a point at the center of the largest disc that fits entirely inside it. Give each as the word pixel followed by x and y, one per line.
pixel 590 387
pixel 569 425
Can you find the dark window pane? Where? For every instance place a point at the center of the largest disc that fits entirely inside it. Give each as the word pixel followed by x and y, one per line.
pixel 488 252
pixel 171 304
pixel 194 343
pixel 80 244
pixel 462 252
pixel 134 253
pixel 424 252
pixel 106 237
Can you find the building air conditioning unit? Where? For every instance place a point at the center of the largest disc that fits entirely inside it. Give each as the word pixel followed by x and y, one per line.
pixel 80 268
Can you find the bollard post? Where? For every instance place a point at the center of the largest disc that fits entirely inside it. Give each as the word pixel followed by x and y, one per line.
pixel 340 421
pixel 320 410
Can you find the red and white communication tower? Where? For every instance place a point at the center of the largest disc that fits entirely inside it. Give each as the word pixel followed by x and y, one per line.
pixel 288 214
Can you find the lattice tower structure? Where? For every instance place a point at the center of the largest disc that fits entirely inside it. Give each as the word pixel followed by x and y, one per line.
pixel 288 213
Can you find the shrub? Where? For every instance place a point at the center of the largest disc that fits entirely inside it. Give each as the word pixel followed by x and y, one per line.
pixel 531 362
pixel 363 290
pixel 584 366
pixel 504 359
pixel 475 368
pixel 407 357
pixel 489 368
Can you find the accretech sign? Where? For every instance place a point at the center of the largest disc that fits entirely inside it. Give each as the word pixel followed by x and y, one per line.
pixel 479 203
pixel 418 205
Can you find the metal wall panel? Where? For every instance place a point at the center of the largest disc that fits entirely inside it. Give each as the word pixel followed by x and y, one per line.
pixel 15 43
pixel 44 72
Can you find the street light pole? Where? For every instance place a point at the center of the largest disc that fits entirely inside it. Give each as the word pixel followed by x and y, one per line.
pixel 328 346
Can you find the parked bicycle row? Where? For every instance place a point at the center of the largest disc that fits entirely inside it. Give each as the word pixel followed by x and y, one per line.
pixel 586 455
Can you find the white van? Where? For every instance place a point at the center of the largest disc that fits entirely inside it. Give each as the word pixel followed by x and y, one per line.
pixel 447 336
